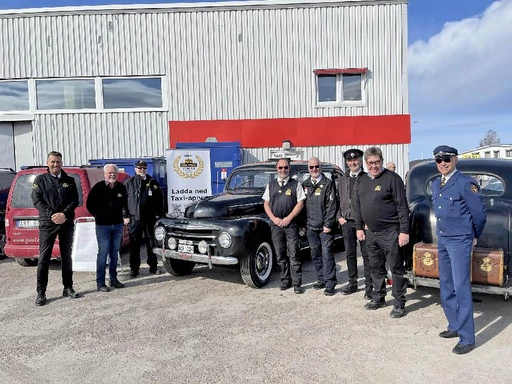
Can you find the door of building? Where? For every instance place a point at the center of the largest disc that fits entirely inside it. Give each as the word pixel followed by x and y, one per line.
pixel 16 147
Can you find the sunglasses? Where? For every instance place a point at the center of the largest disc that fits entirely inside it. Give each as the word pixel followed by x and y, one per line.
pixel 142 167
pixel 283 167
pixel 314 167
pixel 445 158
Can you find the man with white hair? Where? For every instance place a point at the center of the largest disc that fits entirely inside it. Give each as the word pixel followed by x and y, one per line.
pixel 108 203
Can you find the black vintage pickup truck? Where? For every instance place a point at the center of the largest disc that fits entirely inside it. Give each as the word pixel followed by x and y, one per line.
pixel 229 229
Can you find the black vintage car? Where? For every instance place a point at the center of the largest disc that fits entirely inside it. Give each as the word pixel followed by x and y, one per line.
pixel 229 229
pixel 495 179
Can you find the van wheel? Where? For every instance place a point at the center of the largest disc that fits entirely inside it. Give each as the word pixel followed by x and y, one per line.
pixel 178 267
pixel 256 267
pixel 26 262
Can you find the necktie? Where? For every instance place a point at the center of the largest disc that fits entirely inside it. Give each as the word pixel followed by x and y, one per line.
pixel 314 182
pixel 443 181
pixel 281 183
pixel 353 176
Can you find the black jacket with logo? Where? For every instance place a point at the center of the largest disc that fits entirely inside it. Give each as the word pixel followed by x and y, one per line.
pixel 145 198
pixel 321 203
pixel 53 195
pixel 108 205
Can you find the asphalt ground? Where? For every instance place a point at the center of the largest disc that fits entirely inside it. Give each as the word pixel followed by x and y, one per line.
pixel 209 327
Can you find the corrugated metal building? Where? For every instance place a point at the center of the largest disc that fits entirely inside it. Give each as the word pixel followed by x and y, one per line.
pixel 128 81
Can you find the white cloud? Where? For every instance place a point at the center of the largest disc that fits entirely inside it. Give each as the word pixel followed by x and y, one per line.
pixel 466 68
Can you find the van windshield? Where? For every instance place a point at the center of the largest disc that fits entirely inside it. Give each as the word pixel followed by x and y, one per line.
pixel 22 193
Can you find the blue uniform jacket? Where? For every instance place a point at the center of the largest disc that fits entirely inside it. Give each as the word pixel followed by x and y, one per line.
pixel 458 206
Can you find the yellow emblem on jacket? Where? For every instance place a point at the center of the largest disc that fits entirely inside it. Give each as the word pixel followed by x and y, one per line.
pixel 35 186
pixel 65 185
pixel 288 192
pixel 119 195
pixel 378 188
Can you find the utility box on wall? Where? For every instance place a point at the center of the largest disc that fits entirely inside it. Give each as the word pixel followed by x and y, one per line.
pixel 224 157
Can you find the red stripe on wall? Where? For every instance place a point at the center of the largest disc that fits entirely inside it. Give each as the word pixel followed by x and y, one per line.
pixel 302 132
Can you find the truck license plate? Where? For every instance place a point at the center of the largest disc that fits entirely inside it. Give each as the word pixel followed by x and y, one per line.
pixel 185 248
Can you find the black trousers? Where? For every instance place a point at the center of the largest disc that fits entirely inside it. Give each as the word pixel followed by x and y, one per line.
pixel 136 229
pixel 383 246
pixel 286 245
pixel 48 232
pixel 322 255
pixel 350 240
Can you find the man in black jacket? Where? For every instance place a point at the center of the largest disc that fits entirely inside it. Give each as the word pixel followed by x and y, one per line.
pixel 347 188
pixel 381 205
pixel 145 205
pixel 108 203
pixel 55 196
pixel 321 207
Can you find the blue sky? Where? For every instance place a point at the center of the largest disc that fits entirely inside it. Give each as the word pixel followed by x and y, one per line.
pixel 459 81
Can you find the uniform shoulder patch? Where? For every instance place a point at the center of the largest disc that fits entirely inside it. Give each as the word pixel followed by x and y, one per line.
pixel 35 186
pixel 474 188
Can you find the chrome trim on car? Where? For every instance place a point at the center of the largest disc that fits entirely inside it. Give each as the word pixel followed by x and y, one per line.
pixel 192 227
pixel 196 258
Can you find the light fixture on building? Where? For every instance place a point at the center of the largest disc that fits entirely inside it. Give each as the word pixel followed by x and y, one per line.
pixel 287 144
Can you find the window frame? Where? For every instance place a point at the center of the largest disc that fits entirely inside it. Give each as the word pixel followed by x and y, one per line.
pixel 18 111
pixel 64 110
pixel 340 74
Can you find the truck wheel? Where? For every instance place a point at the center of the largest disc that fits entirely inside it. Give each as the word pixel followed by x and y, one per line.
pixel 26 262
pixel 257 266
pixel 178 267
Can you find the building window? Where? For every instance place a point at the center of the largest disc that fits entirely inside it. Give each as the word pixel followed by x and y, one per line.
pixel 132 93
pixel 340 86
pixel 65 94
pixel 487 154
pixel 14 96
pixel 496 154
pixel 508 153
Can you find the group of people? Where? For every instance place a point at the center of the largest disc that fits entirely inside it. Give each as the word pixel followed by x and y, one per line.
pixel 370 207
pixel 114 205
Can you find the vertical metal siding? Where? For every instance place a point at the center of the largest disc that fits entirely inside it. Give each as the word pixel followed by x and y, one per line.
pixel 220 64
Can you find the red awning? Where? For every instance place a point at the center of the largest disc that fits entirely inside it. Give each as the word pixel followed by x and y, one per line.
pixel 335 71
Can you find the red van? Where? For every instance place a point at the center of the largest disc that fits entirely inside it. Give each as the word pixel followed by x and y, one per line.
pixel 21 217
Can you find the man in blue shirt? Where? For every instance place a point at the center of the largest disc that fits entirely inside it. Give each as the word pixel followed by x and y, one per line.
pixel 460 220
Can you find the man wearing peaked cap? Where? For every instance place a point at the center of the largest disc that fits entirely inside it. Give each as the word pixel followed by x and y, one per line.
pixel 460 220
pixel 145 206
pixel 353 154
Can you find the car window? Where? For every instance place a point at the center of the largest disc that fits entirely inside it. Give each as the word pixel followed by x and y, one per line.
pixel 22 193
pixel 490 185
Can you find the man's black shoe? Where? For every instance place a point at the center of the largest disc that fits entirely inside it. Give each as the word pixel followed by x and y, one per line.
pixel 373 305
pixel 318 286
pixel 448 334
pixel 70 292
pixel 298 289
pixel 397 313
pixel 103 288
pixel 116 284
pixel 285 286
pixel 368 293
pixel 134 273
pixel 350 289
pixel 329 291
pixel 154 271
pixel 41 299
pixel 461 349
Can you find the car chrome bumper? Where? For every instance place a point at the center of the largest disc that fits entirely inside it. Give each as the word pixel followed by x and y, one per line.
pixel 195 257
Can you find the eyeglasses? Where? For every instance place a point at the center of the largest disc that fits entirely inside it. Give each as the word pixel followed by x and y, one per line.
pixel 283 167
pixel 314 167
pixel 378 162
pixel 445 158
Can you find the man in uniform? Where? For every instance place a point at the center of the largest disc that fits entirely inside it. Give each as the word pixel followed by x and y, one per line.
pixel 321 207
pixel 381 205
pixel 55 196
pixel 347 187
pixel 461 218
pixel 145 204
pixel 284 199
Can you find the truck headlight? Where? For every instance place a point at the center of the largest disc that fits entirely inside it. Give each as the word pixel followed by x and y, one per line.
pixel 202 246
pixel 172 243
pixel 225 240
pixel 159 233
